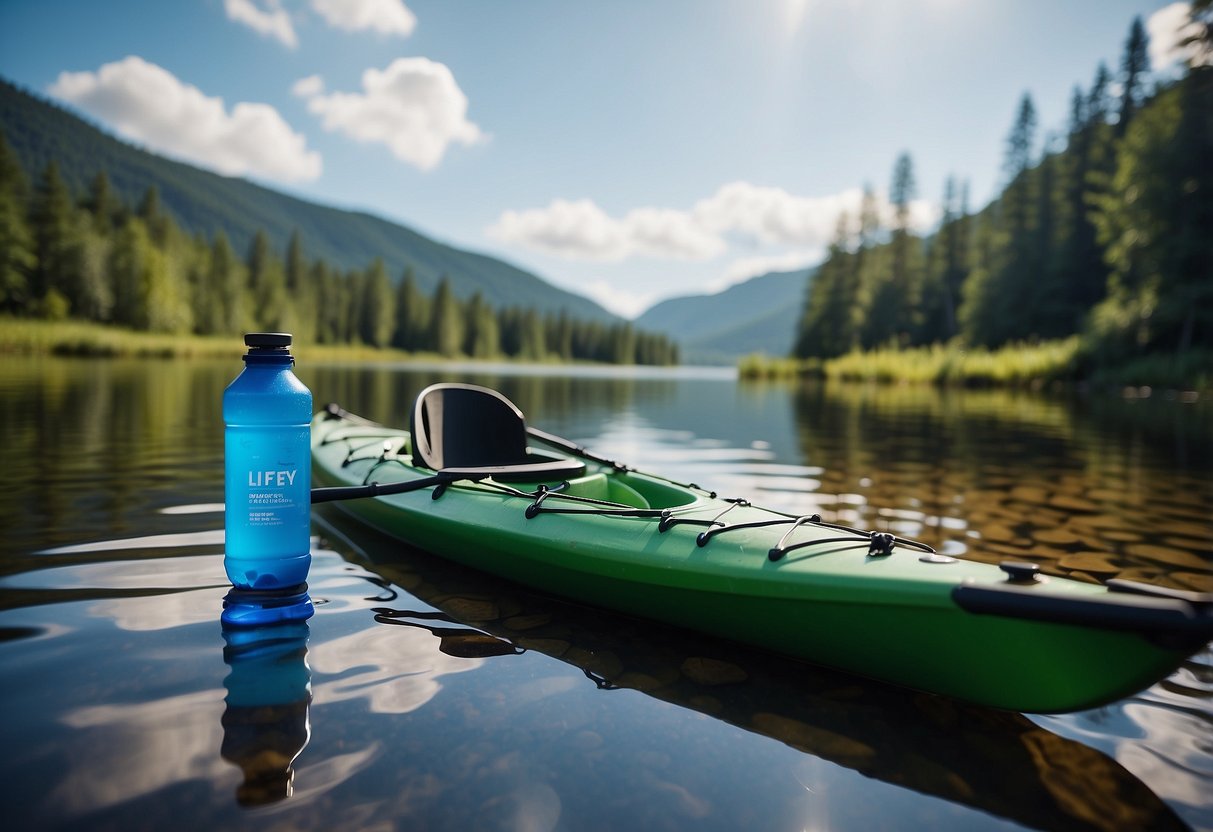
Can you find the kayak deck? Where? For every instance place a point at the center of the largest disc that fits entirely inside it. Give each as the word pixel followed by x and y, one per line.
pixel 873 604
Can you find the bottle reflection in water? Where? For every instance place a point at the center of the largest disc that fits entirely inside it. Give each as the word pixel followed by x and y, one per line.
pixel 269 693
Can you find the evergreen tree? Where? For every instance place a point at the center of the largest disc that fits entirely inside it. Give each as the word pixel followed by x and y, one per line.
pixel 17 254
pixel 509 325
pixel 327 305
pixel 1002 305
pixel 303 314
pixel 1156 235
pixel 480 329
pixel 296 266
pixel 166 284
pixel 949 266
pixel 102 206
pixel 351 306
pixel 1133 65
pixel 267 282
pixel 623 344
pixel 56 245
pixel 225 279
pixel 559 335
pixel 95 295
pixel 828 326
pixel 129 267
pixel 378 309
pixel 446 325
pixel 905 254
pixel 153 216
pixel 412 315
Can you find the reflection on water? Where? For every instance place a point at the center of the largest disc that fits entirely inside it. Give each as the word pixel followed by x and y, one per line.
pixel 995 761
pixel 269 692
pixel 443 699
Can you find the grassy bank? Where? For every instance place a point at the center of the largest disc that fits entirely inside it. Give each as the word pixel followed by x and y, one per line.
pixel 1049 363
pixel 19 336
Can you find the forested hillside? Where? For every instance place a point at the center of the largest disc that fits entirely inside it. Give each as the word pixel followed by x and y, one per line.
pixel 201 202
pixel 1104 229
pixel 92 254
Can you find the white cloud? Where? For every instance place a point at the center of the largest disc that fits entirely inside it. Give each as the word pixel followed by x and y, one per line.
pixel 272 21
pixel 581 230
pixel 148 104
pixel 772 215
pixel 664 232
pixel 308 87
pixel 414 107
pixel 768 216
pixel 1166 28
pixel 387 17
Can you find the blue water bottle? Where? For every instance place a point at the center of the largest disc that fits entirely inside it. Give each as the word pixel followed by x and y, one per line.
pixel 267 412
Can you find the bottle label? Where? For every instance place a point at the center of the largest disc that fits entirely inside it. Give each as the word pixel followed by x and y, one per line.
pixel 265 495
pixel 269 492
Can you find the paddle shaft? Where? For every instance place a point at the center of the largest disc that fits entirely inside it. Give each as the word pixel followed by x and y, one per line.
pixel 374 489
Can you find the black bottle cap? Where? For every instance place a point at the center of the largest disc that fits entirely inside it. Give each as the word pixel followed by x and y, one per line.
pixel 267 340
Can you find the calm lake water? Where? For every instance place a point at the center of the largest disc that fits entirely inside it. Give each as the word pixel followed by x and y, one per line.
pixel 425 696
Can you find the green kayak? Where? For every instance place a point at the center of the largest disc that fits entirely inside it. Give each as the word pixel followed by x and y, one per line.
pixel 469 481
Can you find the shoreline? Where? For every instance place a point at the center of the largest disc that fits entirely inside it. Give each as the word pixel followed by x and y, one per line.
pixel 1063 364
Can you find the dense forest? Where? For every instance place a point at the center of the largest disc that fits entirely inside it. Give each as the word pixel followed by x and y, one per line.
pixel 1106 232
pixel 92 257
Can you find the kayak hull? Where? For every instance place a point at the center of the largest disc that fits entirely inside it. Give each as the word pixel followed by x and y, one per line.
pixel 894 617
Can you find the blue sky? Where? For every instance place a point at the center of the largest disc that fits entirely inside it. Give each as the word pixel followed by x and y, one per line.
pixel 629 151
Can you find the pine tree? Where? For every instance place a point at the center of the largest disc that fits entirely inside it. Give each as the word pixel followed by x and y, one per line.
pixel 1156 235
pixel 153 216
pixel 303 315
pixel 56 276
pixel 267 282
pixel 480 328
pixel 446 326
pixel 102 205
pixel 1002 305
pixel 378 309
pixel 129 267
pixel 949 266
pixel 17 255
pixel 1133 65
pixel 828 326
pixel 412 315
pixel 226 279
pixel 327 304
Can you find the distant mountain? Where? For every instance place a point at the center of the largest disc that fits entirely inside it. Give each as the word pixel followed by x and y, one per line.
pixel 204 202
pixel 758 315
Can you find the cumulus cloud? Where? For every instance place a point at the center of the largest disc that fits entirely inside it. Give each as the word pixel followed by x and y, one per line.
pixel 309 86
pixel 581 230
pixel 1166 28
pixel 271 21
pixel 765 215
pixel 577 229
pixel 414 107
pixel 387 17
pixel 772 215
pixel 148 104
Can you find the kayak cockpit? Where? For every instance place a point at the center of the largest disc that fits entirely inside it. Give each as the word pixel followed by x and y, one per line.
pixel 628 489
